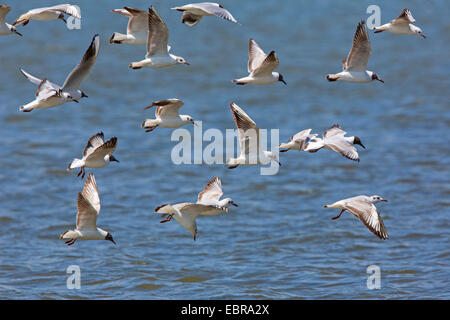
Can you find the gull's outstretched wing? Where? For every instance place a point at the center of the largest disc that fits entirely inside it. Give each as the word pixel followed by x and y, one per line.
pixel 77 75
pixel 369 216
pixel 158 34
pixel 88 205
pixel 359 55
pixel 211 193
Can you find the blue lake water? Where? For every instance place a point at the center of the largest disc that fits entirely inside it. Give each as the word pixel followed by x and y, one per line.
pixel 280 243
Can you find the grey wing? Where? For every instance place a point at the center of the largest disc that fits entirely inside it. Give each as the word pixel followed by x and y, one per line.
pixel 334 130
pixel 345 148
pixel 77 75
pixel 256 55
pixel 248 131
pixel 190 19
pixel 138 22
pixel 169 108
pixel 404 17
pixel 105 149
pixel 215 9
pixel 211 193
pixel 359 55
pixel 88 204
pixel 94 142
pixel 69 9
pixel 269 64
pixel 369 216
pixel 158 35
pixel 4 9
pixel 38 81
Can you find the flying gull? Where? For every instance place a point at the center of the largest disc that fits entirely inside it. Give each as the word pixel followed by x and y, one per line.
pixel 50 95
pixel 167 115
pixel 402 25
pixel 193 12
pixel 158 55
pixel 96 154
pixel 363 207
pixel 260 66
pixel 137 28
pixel 88 205
pixel 334 139
pixel 355 66
pixel 249 141
pixel 208 204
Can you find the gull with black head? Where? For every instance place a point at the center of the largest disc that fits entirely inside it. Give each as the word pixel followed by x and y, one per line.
pixel 88 205
pixel 355 66
pixel 96 154
pixel 49 95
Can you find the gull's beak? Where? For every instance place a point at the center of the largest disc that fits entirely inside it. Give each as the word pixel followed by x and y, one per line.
pixel 384 200
pixel 75 100
pixel 423 36
pixel 187 63
pixel 234 204
pixel 193 122
pixel 380 80
pixel 111 158
pixel 283 82
pixel 18 33
pixel 112 240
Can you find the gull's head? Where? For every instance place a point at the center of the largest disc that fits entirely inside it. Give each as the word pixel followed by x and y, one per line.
pixel 181 60
pixel 417 31
pixel 272 156
pixel 61 17
pixel 357 140
pixel 375 199
pixel 281 79
pixel 110 238
pixel 375 77
pixel 111 158
pixel 225 203
pixel 67 96
pixel 189 119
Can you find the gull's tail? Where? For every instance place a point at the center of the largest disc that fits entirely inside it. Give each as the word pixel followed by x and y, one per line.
pixel 76 163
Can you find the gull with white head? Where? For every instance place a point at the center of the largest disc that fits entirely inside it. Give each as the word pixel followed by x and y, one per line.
pixel 355 66
pixel 167 115
pixel 208 204
pixel 334 139
pixel 363 207
pixel 49 13
pixel 158 55
pixel 193 12
pixel 88 205
pixel 96 154
pixel 402 25
pixel 249 141
pixel 6 28
pixel 260 66
pixel 298 141
pixel 137 28
pixel 49 95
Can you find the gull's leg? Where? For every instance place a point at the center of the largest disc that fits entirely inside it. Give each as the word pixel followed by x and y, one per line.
pixel 81 170
pixel 70 242
pixel 84 172
pixel 338 215
pixel 169 217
